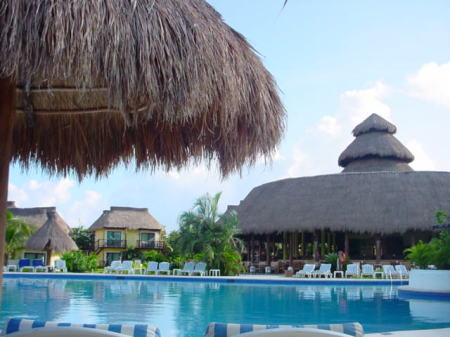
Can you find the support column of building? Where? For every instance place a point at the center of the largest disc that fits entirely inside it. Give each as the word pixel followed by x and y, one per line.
pixel 291 248
pixel 316 246
pixel 378 248
pixel 303 245
pixel 268 250
pixel 346 244
pixel 252 248
pixel 285 253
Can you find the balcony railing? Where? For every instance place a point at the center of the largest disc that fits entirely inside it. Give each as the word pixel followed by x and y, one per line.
pixel 110 244
pixel 150 244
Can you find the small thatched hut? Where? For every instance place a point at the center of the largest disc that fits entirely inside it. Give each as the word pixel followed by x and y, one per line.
pixel 50 240
pixel 35 216
pixel 121 228
pixel 374 209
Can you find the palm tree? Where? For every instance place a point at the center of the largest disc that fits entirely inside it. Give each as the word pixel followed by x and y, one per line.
pixel 17 233
pixel 205 232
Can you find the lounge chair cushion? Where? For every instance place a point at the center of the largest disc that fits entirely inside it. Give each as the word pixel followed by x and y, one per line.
pixel 230 329
pixel 134 330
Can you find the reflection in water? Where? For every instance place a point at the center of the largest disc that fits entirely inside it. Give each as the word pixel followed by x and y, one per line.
pixel 185 308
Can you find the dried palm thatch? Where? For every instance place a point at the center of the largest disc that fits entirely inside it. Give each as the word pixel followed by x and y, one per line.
pixel 52 236
pixel 127 218
pixel 158 82
pixel 36 216
pixel 372 202
pixel 375 148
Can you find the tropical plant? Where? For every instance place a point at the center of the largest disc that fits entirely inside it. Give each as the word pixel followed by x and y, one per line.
pixel 17 233
pixel 83 238
pixel 78 262
pixel 153 255
pixel 132 253
pixel 207 235
pixel 419 254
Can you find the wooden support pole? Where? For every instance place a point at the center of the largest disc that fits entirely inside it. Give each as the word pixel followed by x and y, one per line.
pixel 303 245
pixel 285 246
pixel 291 248
pixel 378 249
pixel 7 117
pixel 316 254
pixel 252 248
pixel 268 249
pixel 346 244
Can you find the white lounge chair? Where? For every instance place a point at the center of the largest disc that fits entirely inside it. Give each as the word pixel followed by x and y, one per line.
pixel 352 270
pixel 138 267
pixel 324 270
pixel 38 265
pixel 401 269
pixel 60 265
pixel 127 266
pixel 116 266
pixel 13 265
pixel 389 271
pixel 152 267
pixel 306 271
pixel 164 267
pixel 367 270
pixel 200 268
pixel 188 268
pixel 293 332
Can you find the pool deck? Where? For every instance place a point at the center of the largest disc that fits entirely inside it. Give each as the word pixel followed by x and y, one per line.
pixel 413 333
pixel 244 278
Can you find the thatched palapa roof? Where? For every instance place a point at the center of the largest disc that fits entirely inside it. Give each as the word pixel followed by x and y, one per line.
pixel 36 216
pixel 126 218
pixel 155 82
pixel 51 236
pixel 375 148
pixel 383 197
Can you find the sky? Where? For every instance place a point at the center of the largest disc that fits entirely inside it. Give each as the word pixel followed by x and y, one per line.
pixel 335 62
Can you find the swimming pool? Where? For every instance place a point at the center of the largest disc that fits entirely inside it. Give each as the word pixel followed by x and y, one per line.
pixel 184 309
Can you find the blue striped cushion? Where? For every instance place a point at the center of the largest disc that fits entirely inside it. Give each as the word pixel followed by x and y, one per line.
pixel 229 329
pixel 133 330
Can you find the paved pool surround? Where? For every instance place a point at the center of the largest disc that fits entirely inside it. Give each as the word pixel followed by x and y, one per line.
pixel 246 279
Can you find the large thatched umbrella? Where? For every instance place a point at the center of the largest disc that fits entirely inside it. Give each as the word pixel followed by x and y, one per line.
pixel 52 237
pixel 158 82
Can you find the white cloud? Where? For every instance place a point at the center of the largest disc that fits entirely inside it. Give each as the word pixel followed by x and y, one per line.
pixel 299 158
pixel 431 83
pixel 357 105
pixel 422 161
pixel 330 126
pixel 81 212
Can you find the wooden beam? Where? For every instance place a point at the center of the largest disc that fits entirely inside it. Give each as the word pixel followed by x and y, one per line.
pixel 378 249
pixel 346 244
pixel 268 244
pixel 7 115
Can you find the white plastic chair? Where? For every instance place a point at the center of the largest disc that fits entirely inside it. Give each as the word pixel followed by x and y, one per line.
pixel 389 271
pixel 164 267
pixel 367 270
pixel 200 268
pixel 152 267
pixel 324 270
pixel 137 267
pixel 127 266
pixel 307 270
pixel 401 269
pixel 60 265
pixel 116 266
pixel 188 268
pixel 13 265
pixel 352 270
pixel 292 332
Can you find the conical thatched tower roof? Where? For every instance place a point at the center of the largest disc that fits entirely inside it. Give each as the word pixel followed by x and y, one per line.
pixel 51 236
pixel 127 218
pixel 36 216
pixel 379 194
pixel 375 148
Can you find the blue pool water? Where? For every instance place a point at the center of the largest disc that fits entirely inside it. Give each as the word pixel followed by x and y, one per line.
pixel 184 309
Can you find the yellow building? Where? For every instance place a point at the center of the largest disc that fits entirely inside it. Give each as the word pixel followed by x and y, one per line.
pixel 121 228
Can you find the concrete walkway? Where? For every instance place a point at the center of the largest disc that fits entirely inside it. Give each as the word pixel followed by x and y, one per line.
pixel 413 333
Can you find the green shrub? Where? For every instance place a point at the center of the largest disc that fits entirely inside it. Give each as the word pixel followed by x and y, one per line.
pixel 436 252
pixel 153 255
pixel 419 254
pixel 78 262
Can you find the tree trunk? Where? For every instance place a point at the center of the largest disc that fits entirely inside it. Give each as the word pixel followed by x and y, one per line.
pixel 7 114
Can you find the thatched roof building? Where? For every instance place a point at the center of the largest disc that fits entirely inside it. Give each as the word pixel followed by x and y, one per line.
pixel 36 216
pixel 52 236
pixel 377 192
pixel 126 218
